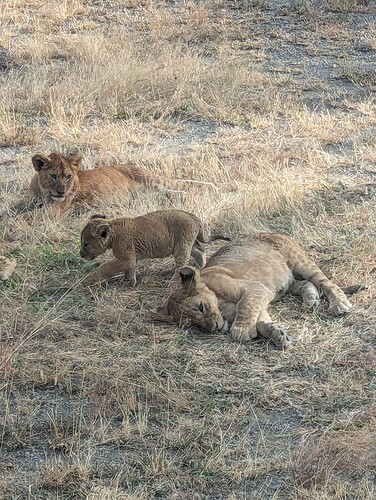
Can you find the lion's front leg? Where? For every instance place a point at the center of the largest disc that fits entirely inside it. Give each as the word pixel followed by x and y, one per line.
pixel 271 331
pixel 33 208
pixel 111 269
pixel 26 205
pixel 255 298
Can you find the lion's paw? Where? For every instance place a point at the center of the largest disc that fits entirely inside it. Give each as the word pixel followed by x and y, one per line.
pixel 132 281
pixel 242 334
pixel 340 306
pixel 312 300
pixel 279 337
pixel 7 267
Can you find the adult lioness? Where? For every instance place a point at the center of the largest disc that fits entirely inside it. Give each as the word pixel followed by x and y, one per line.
pixel 7 265
pixel 152 236
pixel 59 183
pixel 238 284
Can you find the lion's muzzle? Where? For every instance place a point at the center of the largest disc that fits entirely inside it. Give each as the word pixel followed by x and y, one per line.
pixel 58 193
pixel 85 255
pixel 58 197
pixel 219 325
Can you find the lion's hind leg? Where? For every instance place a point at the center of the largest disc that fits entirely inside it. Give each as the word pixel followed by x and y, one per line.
pixel 271 331
pixel 182 252
pixel 309 271
pixel 199 255
pixel 308 292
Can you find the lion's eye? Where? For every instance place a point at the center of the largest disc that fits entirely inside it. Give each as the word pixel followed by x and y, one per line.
pixel 201 308
pixel 53 176
pixel 69 177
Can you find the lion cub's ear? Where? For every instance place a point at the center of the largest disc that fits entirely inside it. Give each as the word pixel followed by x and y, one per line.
pixel 40 161
pixel 190 278
pixel 161 314
pixel 102 231
pixel 75 160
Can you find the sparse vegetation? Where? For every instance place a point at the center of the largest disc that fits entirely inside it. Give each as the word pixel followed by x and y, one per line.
pixel 273 104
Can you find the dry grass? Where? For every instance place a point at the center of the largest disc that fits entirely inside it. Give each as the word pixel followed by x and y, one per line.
pixel 277 110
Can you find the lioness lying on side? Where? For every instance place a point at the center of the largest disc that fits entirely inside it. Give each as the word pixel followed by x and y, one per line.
pixel 7 265
pixel 60 184
pixel 152 236
pixel 238 284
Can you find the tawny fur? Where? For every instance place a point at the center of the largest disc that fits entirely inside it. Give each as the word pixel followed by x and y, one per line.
pixel 239 282
pixel 152 236
pixel 7 265
pixel 59 183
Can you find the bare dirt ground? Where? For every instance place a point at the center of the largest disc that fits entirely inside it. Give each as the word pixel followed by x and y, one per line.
pixel 275 103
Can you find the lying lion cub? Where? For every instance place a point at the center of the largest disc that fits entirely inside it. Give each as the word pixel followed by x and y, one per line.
pixel 59 183
pixel 238 284
pixel 151 236
pixel 7 266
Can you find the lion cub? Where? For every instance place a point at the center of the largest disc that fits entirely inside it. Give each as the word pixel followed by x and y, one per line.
pixel 152 236
pixel 239 282
pixel 60 184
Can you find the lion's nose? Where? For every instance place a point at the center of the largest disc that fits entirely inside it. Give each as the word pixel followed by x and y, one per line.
pixel 81 254
pixel 213 326
pixel 60 190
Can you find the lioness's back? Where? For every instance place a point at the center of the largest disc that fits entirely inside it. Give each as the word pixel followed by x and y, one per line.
pixel 255 258
pixel 158 233
pixel 103 181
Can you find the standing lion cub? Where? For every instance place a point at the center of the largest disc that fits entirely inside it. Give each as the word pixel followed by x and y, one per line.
pixel 152 236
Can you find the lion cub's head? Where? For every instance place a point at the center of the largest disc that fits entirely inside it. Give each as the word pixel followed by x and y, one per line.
pixel 193 303
pixel 7 267
pixel 95 237
pixel 56 173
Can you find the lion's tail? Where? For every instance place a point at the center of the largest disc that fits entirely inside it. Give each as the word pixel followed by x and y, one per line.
pixel 157 182
pixel 214 235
